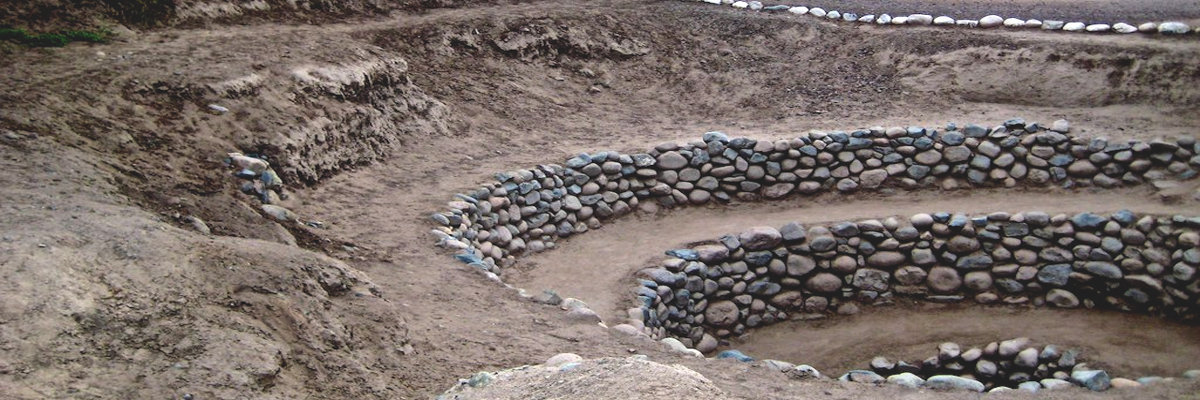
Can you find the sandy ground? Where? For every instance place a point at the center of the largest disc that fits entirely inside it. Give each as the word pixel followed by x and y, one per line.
pixel 109 293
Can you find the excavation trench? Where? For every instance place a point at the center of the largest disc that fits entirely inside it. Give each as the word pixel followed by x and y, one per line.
pixel 1000 245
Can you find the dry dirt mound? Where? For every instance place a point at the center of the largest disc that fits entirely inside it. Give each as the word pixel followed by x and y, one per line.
pixel 604 378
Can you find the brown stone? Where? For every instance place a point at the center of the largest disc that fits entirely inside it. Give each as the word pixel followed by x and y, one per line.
pixel 722 314
pixel 943 279
pixel 823 283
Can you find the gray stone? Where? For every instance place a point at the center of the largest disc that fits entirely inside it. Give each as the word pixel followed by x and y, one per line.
pixel 823 243
pixel 1095 380
pixel 1027 358
pixel 907 380
pixel 1010 348
pixel 278 213
pixel 760 238
pixel 886 259
pixel 862 376
pixel 989 149
pixel 824 283
pixel 873 178
pixel 803 371
pixel 847 185
pixel 951 382
pixel 734 355
pixel 1088 221
pixel 956 154
pixel 921 220
pixel 910 275
pixel 798 265
pixel 949 351
pixel 1173 28
pixel 1103 269
pixel 722 314
pixel 871 279
pixel 711 253
pixel 974 263
pixel 792 232
pixel 990 21
pixel 962 245
pixel 986 368
pixel 1056 275
pixel 929 157
pixel 944 280
pixel 978 280
pixel 672 160
pixel 1061 126
pixel 707 344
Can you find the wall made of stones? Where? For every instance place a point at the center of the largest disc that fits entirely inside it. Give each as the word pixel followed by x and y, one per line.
pixel 529 210
pixel 1124 261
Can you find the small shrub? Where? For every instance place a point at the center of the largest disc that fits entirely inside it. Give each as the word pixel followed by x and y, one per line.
pixel 53 39
pixel 100 36
pixel 13 34
pixel 47 40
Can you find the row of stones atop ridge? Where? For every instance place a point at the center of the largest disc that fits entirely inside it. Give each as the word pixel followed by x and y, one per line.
pixel 1123 261
pixel 527 211
pixel 990 21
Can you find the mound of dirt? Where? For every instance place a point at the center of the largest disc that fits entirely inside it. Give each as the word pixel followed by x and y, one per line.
pixel 100 295
pixel 604 378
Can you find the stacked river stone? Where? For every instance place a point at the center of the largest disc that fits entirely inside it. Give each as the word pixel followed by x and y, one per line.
pixel 528 210
pixel 1011 363
pixel 1125 261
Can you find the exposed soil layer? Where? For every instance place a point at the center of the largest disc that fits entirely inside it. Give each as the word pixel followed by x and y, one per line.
pixel 109 292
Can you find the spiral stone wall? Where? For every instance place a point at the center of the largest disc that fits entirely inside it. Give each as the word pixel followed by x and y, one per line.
pixel 529 210
pixel 713 290
pixel 1124 261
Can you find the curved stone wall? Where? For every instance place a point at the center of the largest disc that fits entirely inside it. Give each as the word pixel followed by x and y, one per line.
pixel 1142 263
pixel 1124 261
pixel 529 210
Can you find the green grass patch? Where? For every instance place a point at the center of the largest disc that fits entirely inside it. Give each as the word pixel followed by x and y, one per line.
pixel 58 39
